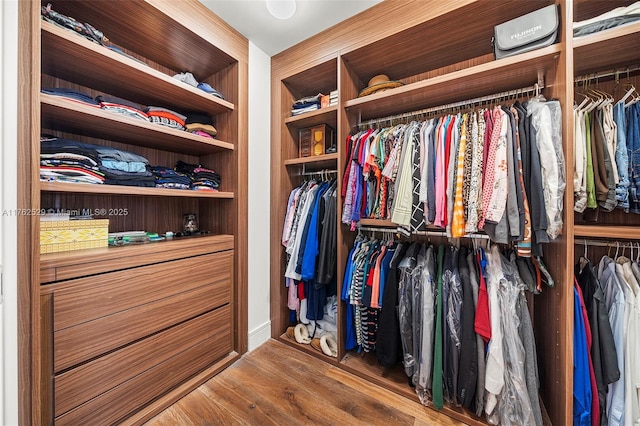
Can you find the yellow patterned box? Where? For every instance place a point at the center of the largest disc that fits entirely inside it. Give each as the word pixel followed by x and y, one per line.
pixel 67 235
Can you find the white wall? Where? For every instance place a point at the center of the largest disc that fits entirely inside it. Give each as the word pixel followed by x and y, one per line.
pixel 8 197
pixel 259 195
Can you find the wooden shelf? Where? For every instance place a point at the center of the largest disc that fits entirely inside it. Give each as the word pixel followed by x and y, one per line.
pixel 307 349
pixel 396 380
pixel 73 117
pixel 382 223
pixel 85 188
pixel 313 118
pixel 102 69
pixel 432 38
pixel 492 77
pixel 71 264
pixel 316 161
pixel 631 232
pixel 168 34
pixel 616 42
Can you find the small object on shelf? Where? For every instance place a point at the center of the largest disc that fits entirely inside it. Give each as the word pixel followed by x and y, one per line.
pixel 527 32
pixel 379 83
pixel 190 223
pixel 67 235
pixel 317 140
pixel 308 104
pixel 128 237
pixel 168 235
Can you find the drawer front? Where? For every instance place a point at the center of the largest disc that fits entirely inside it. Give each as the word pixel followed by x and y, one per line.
pixel 89 298
pixel 123 400
pixel 79 385
pixel 116 327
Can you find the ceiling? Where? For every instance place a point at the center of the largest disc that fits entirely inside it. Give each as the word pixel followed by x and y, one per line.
pixel 252 19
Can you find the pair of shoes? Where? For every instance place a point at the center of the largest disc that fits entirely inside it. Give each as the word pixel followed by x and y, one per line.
pixel 326 344
pixel 315 344
pixel 290 333
pixel 300 334
pixel 329 345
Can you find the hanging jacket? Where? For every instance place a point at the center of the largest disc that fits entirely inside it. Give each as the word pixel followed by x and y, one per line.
pixel 388 342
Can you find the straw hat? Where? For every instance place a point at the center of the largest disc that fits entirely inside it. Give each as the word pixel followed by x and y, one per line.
pixel 379 83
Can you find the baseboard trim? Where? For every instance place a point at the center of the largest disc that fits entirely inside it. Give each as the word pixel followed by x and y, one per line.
pixel 259 335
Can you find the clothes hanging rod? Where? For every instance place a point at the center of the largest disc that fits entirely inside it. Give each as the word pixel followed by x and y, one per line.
pixel 419 233
pixel 317 172
pixel 617 72
pixel 536 88
pixel 600 243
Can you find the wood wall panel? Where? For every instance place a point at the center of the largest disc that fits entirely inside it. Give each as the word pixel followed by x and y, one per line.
pixel 31 389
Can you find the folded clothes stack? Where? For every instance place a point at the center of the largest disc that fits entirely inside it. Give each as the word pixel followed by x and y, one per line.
pixel 65 160
pixel 85 30
pixel 202 179
pixel 187 77
pixel 166 117
pixel 72 95
pixel 171 179
pixel 68 163
pixel 122 106
pixel 201 124
pixel 310 103
pixel 614 18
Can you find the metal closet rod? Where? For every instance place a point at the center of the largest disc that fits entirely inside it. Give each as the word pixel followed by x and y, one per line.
pixel 422 233
pixel 617 72
pixel 318 172
pixel 600 243
pixel 536 88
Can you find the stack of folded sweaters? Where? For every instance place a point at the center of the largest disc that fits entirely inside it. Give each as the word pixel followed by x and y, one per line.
pixel 169 178
pixel 65 160
pixel 202 179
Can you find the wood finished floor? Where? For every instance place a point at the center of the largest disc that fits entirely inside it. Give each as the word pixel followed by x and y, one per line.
pixel 278 385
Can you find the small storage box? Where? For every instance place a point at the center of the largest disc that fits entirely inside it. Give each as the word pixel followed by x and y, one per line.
pixel 66 235
pixel 315 140
pixel 528 32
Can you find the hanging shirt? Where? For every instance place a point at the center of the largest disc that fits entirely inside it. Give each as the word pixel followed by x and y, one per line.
pixel 581 380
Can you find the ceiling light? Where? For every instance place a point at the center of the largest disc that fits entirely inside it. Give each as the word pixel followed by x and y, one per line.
pixel 281 9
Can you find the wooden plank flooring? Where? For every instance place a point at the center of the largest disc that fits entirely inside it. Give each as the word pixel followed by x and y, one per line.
pixel 277 385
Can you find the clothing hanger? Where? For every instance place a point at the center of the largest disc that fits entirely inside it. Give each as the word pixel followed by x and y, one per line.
pixel 632 92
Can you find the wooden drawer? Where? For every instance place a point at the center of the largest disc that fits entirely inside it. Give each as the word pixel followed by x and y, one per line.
pixel 80 384
pixel 170 363
pixel 102 313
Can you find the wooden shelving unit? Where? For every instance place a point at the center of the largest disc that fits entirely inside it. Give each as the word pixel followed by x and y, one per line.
pixel 443 70
pixel 150 42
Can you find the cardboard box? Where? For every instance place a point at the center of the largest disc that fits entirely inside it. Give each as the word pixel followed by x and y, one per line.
pixel 315 140
pixel 66 235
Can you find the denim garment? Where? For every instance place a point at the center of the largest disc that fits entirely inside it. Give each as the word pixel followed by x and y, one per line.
pixel 622 157
pixel 71 94
pixel 633 149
